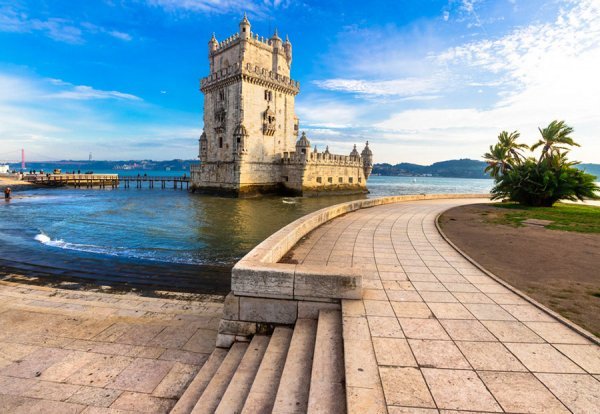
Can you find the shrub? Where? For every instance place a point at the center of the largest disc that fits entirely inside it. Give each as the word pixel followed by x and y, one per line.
pixel 538 182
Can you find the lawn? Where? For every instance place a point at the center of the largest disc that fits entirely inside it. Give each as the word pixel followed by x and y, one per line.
pixel 566 217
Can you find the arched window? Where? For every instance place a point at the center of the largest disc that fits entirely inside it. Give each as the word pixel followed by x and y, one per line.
pixel 220 142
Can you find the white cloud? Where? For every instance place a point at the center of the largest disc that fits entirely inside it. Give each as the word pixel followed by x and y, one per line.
pixel 406 87
pixel 521 80
pixel 253 8
pixel 59 29
pixel 82 92
pixel 56 119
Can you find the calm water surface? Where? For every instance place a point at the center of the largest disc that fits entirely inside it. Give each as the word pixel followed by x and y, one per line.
pixel 156 237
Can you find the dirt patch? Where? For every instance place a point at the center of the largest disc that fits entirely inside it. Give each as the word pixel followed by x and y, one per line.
pixel 557 268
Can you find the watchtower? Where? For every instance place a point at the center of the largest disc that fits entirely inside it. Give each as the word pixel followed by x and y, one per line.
pixel 249 118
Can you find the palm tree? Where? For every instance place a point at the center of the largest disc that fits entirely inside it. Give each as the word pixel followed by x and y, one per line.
pixel 555 137
pixel 498 160
pixel 509 141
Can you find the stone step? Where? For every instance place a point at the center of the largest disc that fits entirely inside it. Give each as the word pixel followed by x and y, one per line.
pixel 293 391
pixel 241 382
pixel 188 400
pixel 211 397
pixel 327 388
pixel 262 395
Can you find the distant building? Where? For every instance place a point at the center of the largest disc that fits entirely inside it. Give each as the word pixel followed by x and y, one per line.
pixel 4 168
pixel 250 141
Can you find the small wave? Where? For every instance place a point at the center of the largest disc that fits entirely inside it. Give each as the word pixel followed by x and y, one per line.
pixel 289 201
pixel 117 251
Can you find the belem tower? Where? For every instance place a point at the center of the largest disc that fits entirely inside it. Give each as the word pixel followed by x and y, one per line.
pixel 250 142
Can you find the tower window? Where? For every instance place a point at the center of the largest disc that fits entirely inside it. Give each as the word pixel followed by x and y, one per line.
pixel 330 180
pixel 268 96
pixel 350 180
pixel 340 180
pixel 220 142
pixel 244 29
pixel 221 95
pixel 319 180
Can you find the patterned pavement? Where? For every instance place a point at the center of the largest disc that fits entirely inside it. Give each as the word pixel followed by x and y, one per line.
pixel 433 333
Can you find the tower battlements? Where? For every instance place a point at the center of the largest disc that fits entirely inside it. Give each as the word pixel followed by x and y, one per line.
pixel 250 127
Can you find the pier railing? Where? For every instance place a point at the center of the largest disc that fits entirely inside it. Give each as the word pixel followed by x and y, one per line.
pixel 107 180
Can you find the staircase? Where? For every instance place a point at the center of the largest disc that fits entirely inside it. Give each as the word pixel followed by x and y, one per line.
pixel 295 370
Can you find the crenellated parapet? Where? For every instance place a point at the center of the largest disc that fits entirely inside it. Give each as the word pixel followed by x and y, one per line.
pixel 250 73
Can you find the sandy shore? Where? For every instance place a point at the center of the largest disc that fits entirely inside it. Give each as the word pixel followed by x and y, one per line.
pixel 15 185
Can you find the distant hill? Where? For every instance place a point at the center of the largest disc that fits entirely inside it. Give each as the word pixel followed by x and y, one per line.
pixel 463 168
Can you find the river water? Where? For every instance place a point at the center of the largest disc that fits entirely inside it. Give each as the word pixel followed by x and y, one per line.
pixel 161 238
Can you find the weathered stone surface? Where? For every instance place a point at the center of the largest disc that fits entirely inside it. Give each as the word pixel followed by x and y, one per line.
pixel 231 307
pixel 310 310
pixel 237 327
pixel 268 310
pixel 266 281
pixel 313 282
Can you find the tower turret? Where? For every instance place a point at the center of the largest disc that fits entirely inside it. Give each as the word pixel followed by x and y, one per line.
pixel 245 27
pixel 303 144
pixel 367 159
pixel 203 146
pixel 354 152
pixel 276 40
pixel 212 44
pixel 287 47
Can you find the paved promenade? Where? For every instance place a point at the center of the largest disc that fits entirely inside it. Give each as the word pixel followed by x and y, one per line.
pixel 65 351
pixel 435 334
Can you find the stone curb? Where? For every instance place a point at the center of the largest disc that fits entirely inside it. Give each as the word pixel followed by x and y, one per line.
pixel 259 273
pixel 561 319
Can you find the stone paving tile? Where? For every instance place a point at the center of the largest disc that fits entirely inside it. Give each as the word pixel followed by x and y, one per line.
pixel 586 356
pixel 378 308
pixel 393 352
pixel 176 381
pixel 459 390
pixel 34 364
pixel 512 331
pixel 580 393
pixel 142 375
pixel 490 356
pixel 556 333
pixel 466 330
pixel 411 310
pixel 542 358
pixel 134 401
pixel 405 386
pixel 98 397
pixel 450 311
pixel 387 327
pixel 438 354
pixel 521 392
pixel 423 328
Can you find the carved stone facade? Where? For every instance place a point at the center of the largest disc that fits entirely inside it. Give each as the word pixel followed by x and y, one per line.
pixel 250 128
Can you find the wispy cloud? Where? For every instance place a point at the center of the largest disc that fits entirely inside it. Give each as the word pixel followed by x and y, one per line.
pixel 407 87
pixel 56 119
pixel 253 8
pixel 82 92
pixel 60 29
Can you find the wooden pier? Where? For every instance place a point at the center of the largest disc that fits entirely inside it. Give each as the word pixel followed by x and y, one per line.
pixel 177 182
pixel 74 180
pixel 108 180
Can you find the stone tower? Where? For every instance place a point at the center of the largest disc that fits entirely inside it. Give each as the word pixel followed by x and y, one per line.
pixel 249 118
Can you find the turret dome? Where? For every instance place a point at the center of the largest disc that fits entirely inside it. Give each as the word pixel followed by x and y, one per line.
pixel 303 142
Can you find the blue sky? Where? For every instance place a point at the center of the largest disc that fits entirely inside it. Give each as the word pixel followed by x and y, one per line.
pixel 423 81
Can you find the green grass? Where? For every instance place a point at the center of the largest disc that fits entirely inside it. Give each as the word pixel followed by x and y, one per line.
pixel 566 217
